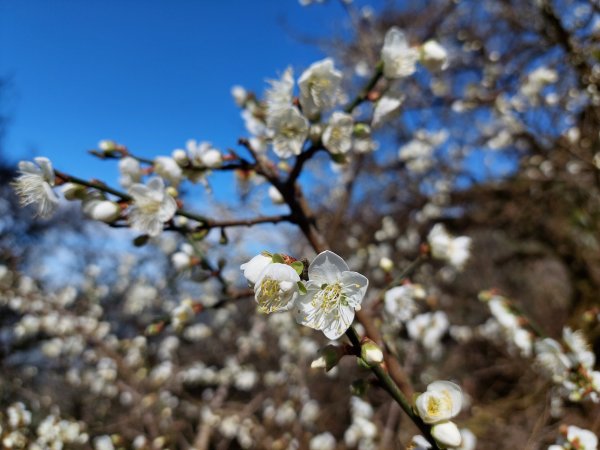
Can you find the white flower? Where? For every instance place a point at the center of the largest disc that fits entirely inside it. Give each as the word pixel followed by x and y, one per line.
pixel 276 288
pixel 279 95
pixel 420 443
pixel 447 434
pixel 576 342
pixel 434 56
pixel 319 87
pixel 551 358
pixel 363 142
pixel 443 246
pixel 239 95
pixel 152 207
pixel 441 402
pixel 131 171
pixel 399 59
pixel 253 268
pixel 333 293
pixel 290 130
pixel 583 439
pixel 399 303
pixel 183 259
pixel 323 441
pixel 167 168
pixel 386 106
pixel 337 137
pixel 34 185
pixel 429 328
pixel 203 154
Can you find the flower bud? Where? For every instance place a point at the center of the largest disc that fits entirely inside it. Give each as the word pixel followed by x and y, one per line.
pixel 386 264
pixel 447 434
pixel 180 157
pixel 73 191
pixel 329 357
pixel 371 353
pixel 104 211
pixel 434 56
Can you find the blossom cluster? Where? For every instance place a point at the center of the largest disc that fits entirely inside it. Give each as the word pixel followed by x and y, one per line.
pixel 327 300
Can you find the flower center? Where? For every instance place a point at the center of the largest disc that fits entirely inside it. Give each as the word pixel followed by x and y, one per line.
pixel 330 297
pixel 268 296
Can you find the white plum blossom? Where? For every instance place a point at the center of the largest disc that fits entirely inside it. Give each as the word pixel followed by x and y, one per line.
pixel 151 207
pixel 34 186
pixel 456 251
pixel 434 56
pixel 399 58
pixel 319 87
pixel 290 130
pixel 333 294
pixel 280 94
pixel 323 441
pixel 131 171
pixel 580 349
pixel 440 402
pixel 239 94
pixel 552 359
pixel 203 154
pixel 184 258
pixel 399 302
pixel 386 107
pixel 576 438
pixel 337 137
pixel 428 329
pixel 276 288
pixel 254 268
pixel 167 168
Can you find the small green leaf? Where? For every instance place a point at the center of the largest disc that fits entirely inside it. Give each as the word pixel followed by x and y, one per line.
pixel 277 258
pixel 301 288
pixel 266 254
pixel 298 266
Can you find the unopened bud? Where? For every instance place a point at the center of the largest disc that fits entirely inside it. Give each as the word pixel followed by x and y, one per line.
pixel 371 353
pixel 180 157
pixel 73 191
pixel 447 434
pixel 105 211
pixel 329 357
pixel 386 264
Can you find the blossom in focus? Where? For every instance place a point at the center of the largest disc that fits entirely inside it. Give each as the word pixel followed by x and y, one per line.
pixel 253 268
pixel 337 137
pixel 333 294
pixel 399 59
pixel 34 186
pixel 440 402
pixel 290 130
pixel 151 207
pixel 319 87
pixel 446 247
pixel 276 288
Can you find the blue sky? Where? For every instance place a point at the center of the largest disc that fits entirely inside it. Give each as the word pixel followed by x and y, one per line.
pixel 149 74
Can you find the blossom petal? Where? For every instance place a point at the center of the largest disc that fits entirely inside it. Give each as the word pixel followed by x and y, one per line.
pixel 355 287
pixel 327 267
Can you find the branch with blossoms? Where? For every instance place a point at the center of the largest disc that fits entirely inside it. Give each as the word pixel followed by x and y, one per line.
pixel 324 295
